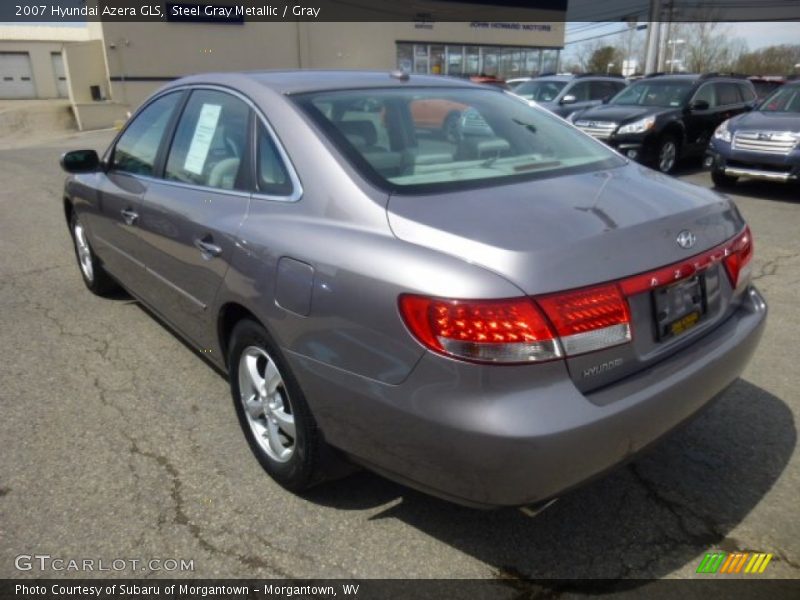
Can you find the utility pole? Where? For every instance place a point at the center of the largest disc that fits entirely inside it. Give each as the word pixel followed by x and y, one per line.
pixel 653 31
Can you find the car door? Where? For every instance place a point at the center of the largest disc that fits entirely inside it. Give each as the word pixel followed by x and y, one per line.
pixel 700 123
pixel 190 216
pixel 581 91
pixel 729 103
pixel 129 166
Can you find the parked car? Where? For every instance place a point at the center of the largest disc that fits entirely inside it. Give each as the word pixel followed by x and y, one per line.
pixel 437 115
pixel 565 94
pixel 766 84
pixel 661 119
pixel 493 319
pixel 515 81
pixel 489 80
pixel 763 144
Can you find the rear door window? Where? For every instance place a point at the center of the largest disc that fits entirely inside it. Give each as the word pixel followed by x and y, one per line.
pixel 210 143
pixel 747 92
pixel 604 89
pixel 727 94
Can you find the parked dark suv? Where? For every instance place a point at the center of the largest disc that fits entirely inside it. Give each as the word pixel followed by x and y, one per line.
pixel 763 144
pixel 566 94
pixel 662 118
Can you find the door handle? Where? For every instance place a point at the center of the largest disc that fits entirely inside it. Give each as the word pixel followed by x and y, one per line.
pixel 129 216
pixel 208 248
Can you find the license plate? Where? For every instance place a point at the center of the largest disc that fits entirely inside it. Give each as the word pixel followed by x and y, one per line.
pixel 679 307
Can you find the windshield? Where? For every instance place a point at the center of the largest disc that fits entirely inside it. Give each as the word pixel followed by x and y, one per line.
pixel 654 93
pixel 540 91
pixel 786 99
pixel 430 138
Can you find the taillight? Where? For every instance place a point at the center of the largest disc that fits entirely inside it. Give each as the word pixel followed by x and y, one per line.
pixel 737 261
pixel 506 331
pixel 589 319
pixel 555 325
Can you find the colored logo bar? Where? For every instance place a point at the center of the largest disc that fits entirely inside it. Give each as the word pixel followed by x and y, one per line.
pixel 735 562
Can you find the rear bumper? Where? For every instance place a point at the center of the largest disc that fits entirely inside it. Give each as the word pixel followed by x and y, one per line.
pixel 483 436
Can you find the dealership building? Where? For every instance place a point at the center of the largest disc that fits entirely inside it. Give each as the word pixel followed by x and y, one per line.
pixel 121 63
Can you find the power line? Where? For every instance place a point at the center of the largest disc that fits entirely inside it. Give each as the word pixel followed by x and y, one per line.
pixel 602 35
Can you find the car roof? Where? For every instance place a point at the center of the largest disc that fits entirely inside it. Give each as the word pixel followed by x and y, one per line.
pixel 299 81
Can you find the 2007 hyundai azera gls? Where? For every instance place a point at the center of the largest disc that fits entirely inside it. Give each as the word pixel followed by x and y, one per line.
pixel 489 306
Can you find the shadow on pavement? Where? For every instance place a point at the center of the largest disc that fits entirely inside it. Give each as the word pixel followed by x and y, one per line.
pixel 644 520
pixel 764 190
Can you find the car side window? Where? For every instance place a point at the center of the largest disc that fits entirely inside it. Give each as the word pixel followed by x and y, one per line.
pixel 707 93
pixel 272 177
pixel 580 91
pixel 604 89
pixel 137 147
pixel 747 92
pixel 210 143
pixel 727 93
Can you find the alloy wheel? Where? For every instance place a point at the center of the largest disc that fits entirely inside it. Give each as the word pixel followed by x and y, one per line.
pixel 84 251
pixel 266 404
pixel 667 156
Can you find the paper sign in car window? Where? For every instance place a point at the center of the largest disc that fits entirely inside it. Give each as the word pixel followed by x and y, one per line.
pixel 201 140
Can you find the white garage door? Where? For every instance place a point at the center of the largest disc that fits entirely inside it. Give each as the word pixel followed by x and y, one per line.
pixel 16 77
pixel 60 74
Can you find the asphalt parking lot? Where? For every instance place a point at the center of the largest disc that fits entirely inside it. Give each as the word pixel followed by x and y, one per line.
pixel 118 441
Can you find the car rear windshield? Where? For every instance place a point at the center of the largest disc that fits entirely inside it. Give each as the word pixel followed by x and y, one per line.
pixel 427 139
pixel 540 91
pixel 786 99
pixel 654 93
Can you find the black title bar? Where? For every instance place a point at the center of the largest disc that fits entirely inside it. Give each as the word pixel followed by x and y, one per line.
pixel 237 11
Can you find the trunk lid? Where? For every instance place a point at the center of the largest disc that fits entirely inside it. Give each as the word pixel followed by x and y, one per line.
pixel 561 233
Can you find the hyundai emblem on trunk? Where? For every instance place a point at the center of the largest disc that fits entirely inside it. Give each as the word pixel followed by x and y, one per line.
pixel 686 239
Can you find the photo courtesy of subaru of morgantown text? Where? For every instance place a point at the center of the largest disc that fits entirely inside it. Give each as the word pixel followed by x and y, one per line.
pixel 519 304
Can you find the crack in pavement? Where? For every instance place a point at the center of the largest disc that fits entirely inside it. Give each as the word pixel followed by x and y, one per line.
pixel 770 267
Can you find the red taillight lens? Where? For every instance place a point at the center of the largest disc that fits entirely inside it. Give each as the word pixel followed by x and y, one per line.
pixel 738 260
pixel 507 331
pixel 590 318
pixel 573 322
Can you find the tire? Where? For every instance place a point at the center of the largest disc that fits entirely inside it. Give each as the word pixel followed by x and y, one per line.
pixel 721 180
pixel 450 127
pixel 291 455
pixel 97 280
pixel 667 154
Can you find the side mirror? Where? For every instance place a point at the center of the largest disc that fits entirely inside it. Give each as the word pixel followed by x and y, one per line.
pixel 569 99
pixel 80 161
pixel 699 105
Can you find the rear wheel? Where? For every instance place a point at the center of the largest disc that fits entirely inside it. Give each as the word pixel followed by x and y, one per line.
pixel 272 410
pixel 94 275
pixel 721 180
pixel 667 154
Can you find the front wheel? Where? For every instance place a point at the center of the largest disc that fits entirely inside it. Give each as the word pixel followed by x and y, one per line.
pixel 721 180
pixel 94 275
pixel 667 154
pixel 272 410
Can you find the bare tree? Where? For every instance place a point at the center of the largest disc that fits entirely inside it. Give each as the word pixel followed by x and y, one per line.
pixel 707 46
pixel 773 60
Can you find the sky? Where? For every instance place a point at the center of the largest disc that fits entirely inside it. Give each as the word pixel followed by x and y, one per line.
pixel 755 34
